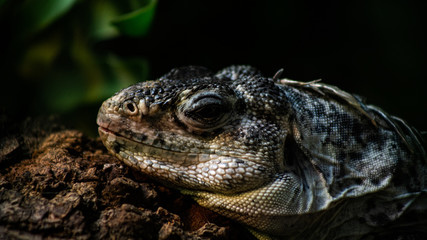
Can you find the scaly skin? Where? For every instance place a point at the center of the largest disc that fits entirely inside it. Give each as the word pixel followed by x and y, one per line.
pixel 291 160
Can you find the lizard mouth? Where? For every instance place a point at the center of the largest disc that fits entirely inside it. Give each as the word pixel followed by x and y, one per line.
pixel 106 131
pixel 140 153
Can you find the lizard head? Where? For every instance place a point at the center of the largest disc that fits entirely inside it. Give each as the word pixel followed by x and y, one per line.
pixel 198 130
pixel 221 137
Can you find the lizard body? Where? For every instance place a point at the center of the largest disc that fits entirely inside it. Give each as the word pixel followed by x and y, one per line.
pixel 291 160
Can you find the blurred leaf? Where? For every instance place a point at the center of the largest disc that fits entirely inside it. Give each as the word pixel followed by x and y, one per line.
pixel 92 80
pixel 136 23
pixel 38 14
pixel 63 52
pixel 103 13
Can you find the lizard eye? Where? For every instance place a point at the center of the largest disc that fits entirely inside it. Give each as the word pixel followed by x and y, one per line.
pixel 205 111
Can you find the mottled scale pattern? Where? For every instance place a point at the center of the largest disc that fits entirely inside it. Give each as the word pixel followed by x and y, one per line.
pixel 291 160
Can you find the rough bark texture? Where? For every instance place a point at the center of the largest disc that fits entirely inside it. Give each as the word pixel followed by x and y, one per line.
pixel 55 183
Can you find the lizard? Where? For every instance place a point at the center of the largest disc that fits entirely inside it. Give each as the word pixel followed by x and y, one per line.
pixel 288 159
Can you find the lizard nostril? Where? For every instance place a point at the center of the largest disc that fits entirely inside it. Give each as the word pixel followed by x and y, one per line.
pixel 130 108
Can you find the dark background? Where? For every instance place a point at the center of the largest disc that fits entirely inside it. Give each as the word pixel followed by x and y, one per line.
pixel 376 49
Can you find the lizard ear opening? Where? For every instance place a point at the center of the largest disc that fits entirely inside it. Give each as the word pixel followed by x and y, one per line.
pixel 294 158
pixel 289 152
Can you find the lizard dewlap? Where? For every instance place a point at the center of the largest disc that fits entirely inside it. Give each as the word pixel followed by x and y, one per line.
pixel 290 160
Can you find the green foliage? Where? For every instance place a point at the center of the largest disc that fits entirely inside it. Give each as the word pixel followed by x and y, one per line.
pixel 136 23
pixel 54 48
pixel 38 14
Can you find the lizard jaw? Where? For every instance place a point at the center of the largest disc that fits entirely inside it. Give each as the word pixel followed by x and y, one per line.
pixel 144 150
pixel 193 171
